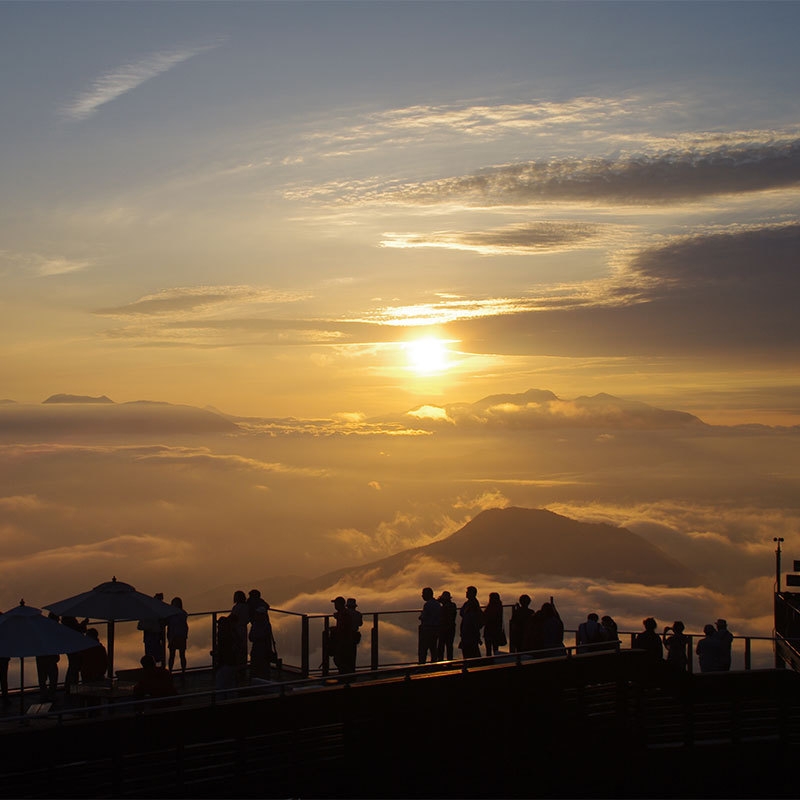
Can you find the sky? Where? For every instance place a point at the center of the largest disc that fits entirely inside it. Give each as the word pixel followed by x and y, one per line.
pixel 264 207
pixel 342 225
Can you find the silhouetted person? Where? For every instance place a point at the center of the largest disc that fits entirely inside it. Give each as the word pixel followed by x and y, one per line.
pixel 677 645
pixel 239 619
pixel 225 655
pixel 254 602
pixel 471 624
pixel 610 633
pixel 263 642
pixel 177 635
pixel 154 681
pixel 47 672
pixel 447 626
pixel 429 621
pixel 73 659
pixel 709 650
pixel 341 638
pixel 94 660
pixel 726 642
pixel 649 641
pixel 493 633
pixel 589 634
pixel 357 618
pixel 519 635
pixel 153 635
pixel 552 629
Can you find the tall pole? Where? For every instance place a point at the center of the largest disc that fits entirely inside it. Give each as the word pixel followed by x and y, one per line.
pixel 778 540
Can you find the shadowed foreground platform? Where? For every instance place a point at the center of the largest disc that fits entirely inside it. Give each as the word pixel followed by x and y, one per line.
pixel 598 725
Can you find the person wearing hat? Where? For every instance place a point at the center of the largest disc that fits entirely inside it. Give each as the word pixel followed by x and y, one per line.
pixel 447 626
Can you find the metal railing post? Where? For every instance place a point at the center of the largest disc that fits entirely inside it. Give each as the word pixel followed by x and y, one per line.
pixel 304 646
pixel 690 654
pixel 325 653
pixel 747 653
pixel 374 650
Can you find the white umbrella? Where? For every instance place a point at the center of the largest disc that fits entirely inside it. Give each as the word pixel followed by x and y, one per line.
pixel 25 632
pixel 113 600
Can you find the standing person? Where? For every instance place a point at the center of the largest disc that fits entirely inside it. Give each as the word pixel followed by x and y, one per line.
pixel 239 619
pixel 254 602
pixel 342 637
pixel 261 638
pixel 649 641
pixel 677 645
pixel 519 624
pixel 726 642
pixel 357 618
pixel 610 634
pixel 709 650
pixel 429 622
pixel 153 635
pixel 177 635
pixel 494 635
pixel 47 672
pixel 447 627
pixel 589 633
pixel 225 655
pixel 471 624
pixel 552 629
pixel 73 659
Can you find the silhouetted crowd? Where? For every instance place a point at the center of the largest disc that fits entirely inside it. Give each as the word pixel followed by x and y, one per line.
pixel 538 632
pixel 245 638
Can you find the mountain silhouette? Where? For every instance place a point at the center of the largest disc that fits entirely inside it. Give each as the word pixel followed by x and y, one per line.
pixel 76 398
pixel 540 409
pixel 99 416
pixel 519 543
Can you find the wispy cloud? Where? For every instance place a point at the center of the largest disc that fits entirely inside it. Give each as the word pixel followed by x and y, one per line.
pixel 130 76
pixel 541 237
pixel 44 266
pixel 184 300
pixel 683 170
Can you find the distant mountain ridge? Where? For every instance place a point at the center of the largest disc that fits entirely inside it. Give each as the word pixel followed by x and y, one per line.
pixel 76 398
pixel 541 408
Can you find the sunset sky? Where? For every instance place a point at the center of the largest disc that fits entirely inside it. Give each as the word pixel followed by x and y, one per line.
pixel 263 207
pixel 343 225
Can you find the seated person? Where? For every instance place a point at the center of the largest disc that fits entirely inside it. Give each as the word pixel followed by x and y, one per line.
pixel 94 661
pixel 154 681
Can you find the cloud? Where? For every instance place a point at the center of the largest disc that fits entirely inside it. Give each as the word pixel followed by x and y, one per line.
pixel 130 76
pixel 44 266
pixel 192 300
pixel 523 238
pixel 471 121
pixel 722 292
pixel 671 176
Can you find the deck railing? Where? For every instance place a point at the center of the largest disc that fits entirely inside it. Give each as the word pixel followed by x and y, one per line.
pixel 389 640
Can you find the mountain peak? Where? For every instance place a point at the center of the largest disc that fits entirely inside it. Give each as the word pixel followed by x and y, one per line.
pixel 76 398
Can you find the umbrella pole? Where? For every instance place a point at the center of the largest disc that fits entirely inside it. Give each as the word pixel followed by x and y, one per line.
pixel 111 649
pixel 21 686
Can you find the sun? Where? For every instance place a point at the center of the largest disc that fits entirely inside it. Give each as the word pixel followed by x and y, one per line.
pixel 428 356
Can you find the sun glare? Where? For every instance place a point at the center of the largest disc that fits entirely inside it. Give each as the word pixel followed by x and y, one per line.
pixel 428 356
